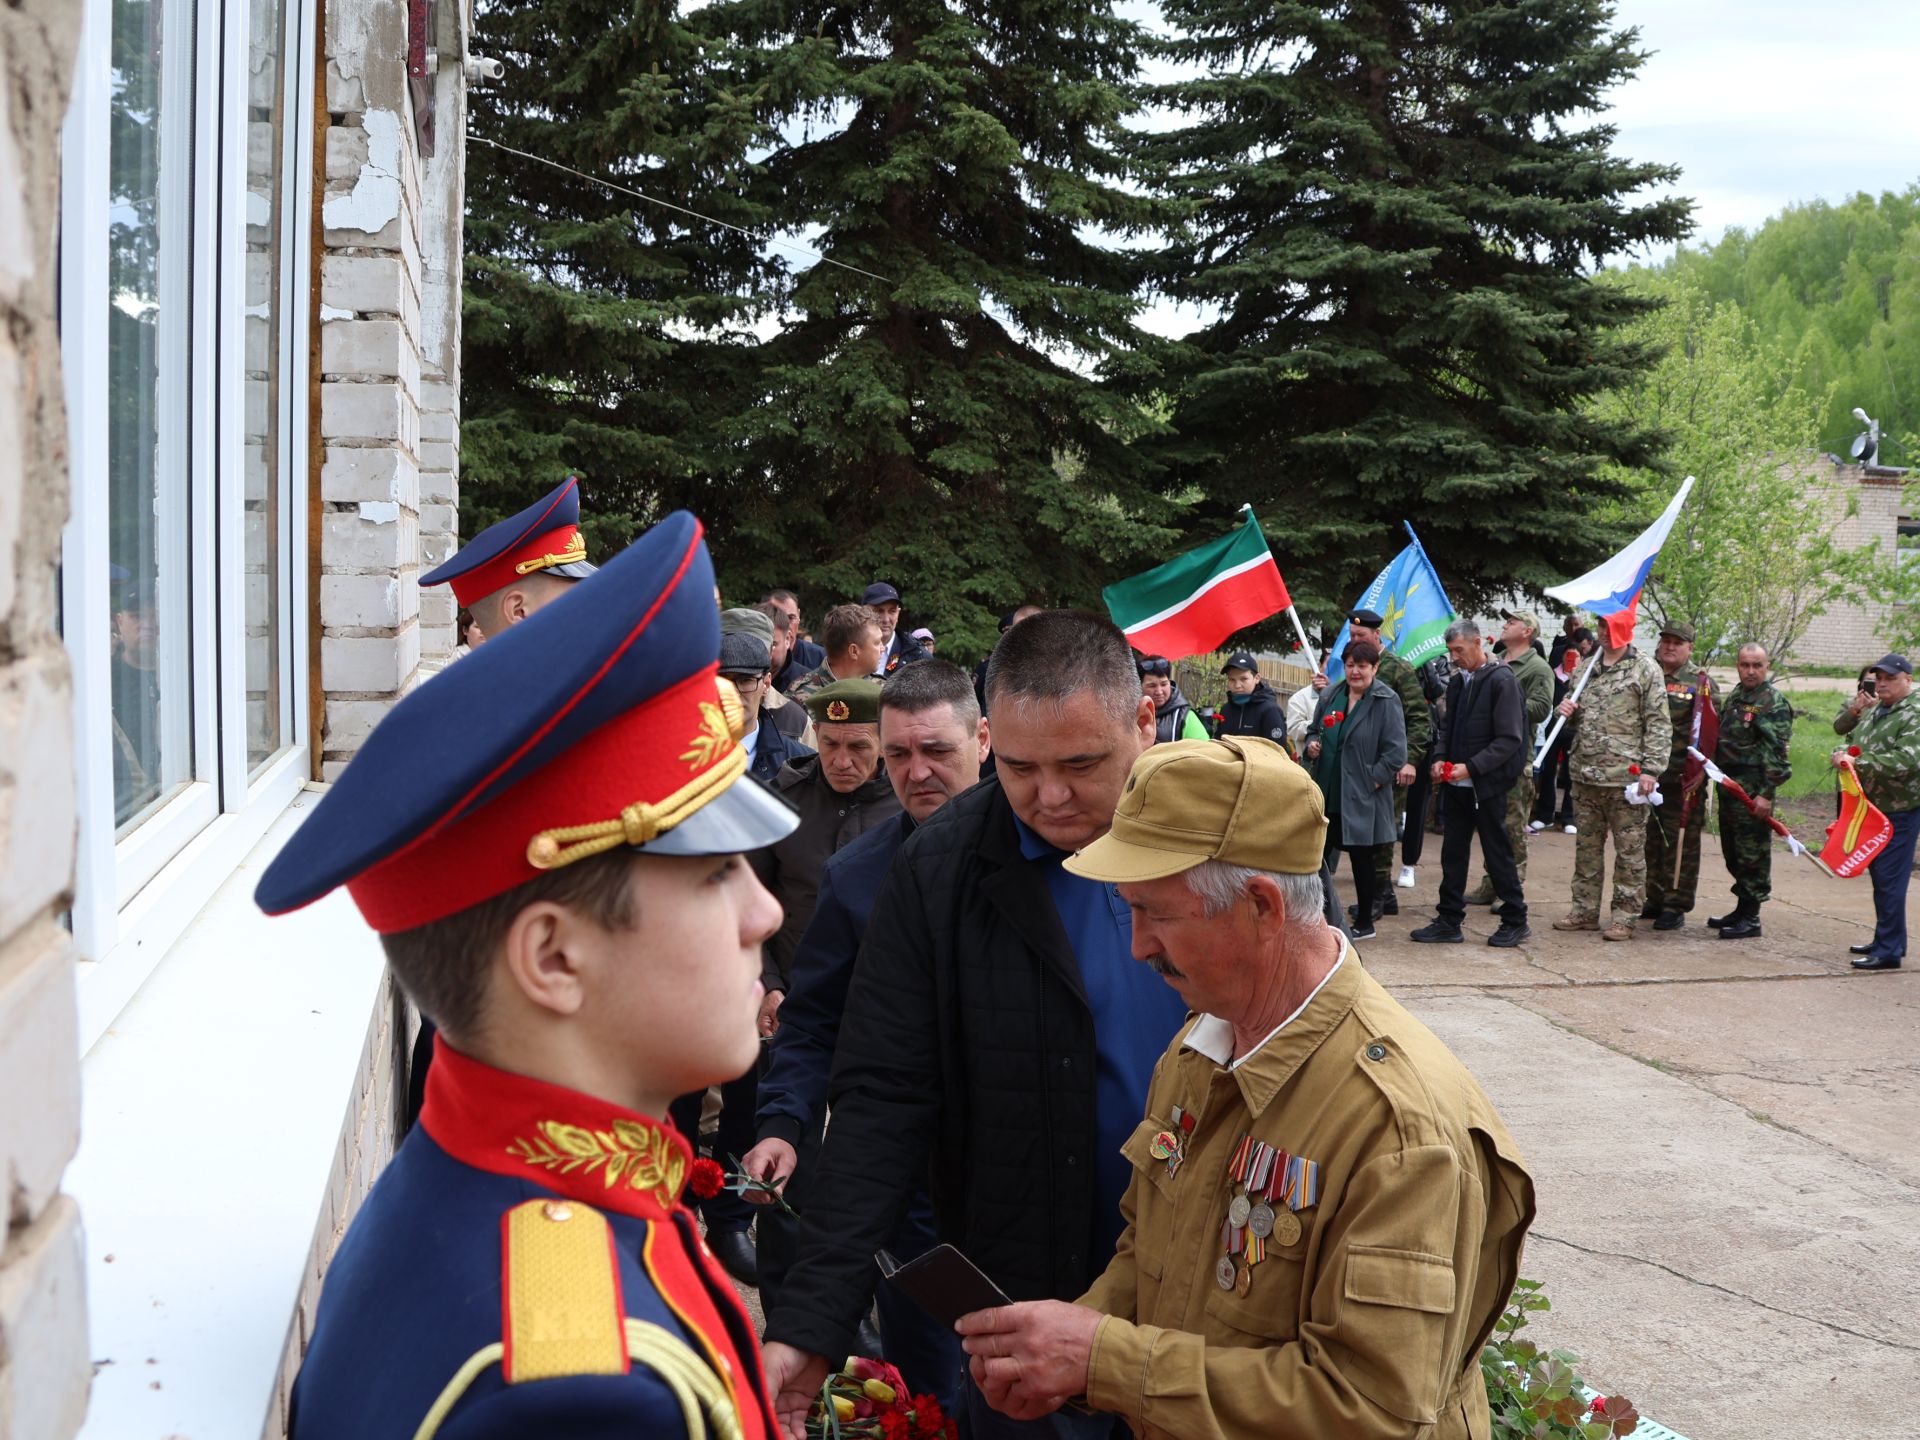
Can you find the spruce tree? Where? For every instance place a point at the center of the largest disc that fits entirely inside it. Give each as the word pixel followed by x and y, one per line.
pixel 947 425
pixel 604 335
pixel 1393 210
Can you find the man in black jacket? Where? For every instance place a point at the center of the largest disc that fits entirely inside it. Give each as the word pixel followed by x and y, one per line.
pixel 998 1037
pixel 1252 708
pixel 1478 752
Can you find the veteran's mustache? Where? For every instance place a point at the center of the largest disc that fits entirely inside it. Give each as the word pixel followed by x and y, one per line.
pixel 1163 966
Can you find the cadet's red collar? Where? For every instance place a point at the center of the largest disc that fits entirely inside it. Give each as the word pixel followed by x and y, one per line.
pixel 589 1149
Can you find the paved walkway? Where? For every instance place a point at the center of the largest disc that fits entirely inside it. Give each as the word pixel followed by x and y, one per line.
pixel 1725 1140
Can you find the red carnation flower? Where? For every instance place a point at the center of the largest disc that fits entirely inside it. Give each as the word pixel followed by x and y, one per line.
pixel 1633 769
pixel 707 1179
pixel 1854 751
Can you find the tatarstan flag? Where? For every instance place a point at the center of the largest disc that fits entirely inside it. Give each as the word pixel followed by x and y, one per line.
pixel 1194 601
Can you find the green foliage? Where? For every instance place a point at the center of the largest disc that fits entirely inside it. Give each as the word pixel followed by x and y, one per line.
pixel 1534 1394
pixel 1811 750
pixel 1394 208
pixel 1836 290
pixel 1753 555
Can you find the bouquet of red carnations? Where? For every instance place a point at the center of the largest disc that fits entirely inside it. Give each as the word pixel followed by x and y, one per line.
pixel 868 1400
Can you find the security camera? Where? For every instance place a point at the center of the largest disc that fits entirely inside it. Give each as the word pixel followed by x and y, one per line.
pixel 483 70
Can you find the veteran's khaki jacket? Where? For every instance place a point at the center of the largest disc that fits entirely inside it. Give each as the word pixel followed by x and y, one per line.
pixel 1370 1322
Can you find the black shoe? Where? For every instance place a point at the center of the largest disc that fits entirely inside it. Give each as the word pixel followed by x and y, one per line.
pixel 1388 906
pixel 1741 927
pixel 1877 962
pixel 1509 935
pixel 1650 911
pixel 1866 949
pixel 1669 920
pixel 734 1250
pixel 1438 933
pixel 1715 922
pixel 1362 932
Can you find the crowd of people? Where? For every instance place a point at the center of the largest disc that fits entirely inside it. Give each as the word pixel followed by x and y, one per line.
pixel 1059 960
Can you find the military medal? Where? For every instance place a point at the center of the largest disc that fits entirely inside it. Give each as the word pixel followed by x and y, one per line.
pixel 1244 1282
pixel 1286 1227
pixel 1239 1211
pixel 1260 1220
pixel 1163 1146
pixel 1224 1273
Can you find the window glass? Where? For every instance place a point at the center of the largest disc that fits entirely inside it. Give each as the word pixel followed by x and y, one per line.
pixel 148 329
pixel 265 352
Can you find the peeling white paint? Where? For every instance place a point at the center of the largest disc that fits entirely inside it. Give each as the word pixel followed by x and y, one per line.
pixel 374 201
pixel 16 256
pixel 334 312
pixel 380 512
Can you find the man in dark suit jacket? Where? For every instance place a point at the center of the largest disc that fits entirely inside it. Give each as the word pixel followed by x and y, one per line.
pixel 1480 750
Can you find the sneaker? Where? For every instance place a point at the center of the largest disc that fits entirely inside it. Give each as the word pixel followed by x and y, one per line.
pixel 1577 922
pixel 1438 933
pixel 1571 828
pixel 1508 936
pixel 1536 826
pixel 1405 882
pixel 1364 932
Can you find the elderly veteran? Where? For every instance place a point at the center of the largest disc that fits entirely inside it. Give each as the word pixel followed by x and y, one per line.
pixel 1326 1214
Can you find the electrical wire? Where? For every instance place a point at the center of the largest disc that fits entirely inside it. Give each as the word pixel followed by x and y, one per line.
pixel 669 205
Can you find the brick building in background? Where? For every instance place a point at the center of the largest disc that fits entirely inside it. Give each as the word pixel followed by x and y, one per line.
pixel 230 237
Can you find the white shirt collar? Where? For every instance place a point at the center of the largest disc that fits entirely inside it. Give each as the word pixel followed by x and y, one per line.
pixel 1213 1037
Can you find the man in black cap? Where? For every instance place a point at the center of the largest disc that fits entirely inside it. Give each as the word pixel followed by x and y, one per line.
pixel 1398 676
pixel 1885 730
pixel 884 601
pixel 744 662
pixel 1252 708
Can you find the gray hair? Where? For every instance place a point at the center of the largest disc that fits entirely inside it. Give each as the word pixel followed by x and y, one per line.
pixel 1462 630
pixel 1057 654
pixel 1217 884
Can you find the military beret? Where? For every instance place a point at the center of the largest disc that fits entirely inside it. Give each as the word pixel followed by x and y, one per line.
pixel 1679 629
pixel 745 621
pixel 846 702
pixel 1372 619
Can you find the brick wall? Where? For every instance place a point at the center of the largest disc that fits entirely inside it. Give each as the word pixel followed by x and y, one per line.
pixel 1855 631
pixel 44 1359
pixel 389 296
pixel 367 1139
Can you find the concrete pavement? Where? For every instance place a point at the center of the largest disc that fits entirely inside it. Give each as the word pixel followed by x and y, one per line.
pixel 1725 1140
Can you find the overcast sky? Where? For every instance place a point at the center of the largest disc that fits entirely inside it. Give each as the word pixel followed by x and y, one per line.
pixel 1763 103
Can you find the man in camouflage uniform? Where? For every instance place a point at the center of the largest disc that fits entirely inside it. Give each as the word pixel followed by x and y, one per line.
pixel 1619 721
pixel 1885 727
pixel 1398 676
pixel 1536 684
pixel 1670 891
pixel 1756 725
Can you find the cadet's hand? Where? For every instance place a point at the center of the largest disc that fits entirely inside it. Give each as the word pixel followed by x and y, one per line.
pixel 1029 1359
pixel 772 1160
pixel 1319 682
pixel 769 1012
pixel 794 1377
pixel 1566 708
pixel 1404 775
pixel 1762 806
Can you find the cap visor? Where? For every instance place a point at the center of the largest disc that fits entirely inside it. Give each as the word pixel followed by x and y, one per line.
pixel 745 816
pixel 578 570
pixel 1119 863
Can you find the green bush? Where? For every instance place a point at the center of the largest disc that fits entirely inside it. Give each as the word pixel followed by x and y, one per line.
pixel 1534 1394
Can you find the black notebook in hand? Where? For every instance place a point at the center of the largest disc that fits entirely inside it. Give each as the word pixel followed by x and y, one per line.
pixel 942 1282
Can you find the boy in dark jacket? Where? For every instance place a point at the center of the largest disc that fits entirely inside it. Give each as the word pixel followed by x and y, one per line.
pixel 1252 708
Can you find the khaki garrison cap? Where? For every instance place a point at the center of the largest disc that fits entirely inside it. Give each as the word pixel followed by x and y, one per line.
pixel 1237 800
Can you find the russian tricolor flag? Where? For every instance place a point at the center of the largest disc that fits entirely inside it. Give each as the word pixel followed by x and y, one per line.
pixel 1612 590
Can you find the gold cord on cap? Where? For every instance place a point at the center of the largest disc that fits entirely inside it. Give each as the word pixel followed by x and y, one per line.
pixel 575 552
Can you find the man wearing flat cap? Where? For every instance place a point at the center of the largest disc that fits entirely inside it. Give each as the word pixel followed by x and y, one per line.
pixel 1886 730
pixel 1673 857
pixel 1326 1214
pixel 1401 678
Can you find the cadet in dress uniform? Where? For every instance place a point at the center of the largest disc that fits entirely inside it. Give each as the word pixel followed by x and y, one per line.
pixel 563 891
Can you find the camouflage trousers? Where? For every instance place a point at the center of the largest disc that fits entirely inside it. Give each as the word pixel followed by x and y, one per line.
pixel 1746 844
pixel 1665 890
pixel 1600 811
pixel 1519 808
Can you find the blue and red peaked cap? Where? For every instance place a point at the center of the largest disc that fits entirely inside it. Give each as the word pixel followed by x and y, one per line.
pixel 545 536
pixel 598 721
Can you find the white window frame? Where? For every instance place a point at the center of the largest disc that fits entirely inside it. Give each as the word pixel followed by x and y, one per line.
pixel 134 897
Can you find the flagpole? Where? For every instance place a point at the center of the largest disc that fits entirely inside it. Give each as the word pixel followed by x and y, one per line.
pixel 1572 695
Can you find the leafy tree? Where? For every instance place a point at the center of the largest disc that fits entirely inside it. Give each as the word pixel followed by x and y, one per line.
pixel 1753 555
pixel 1394 208
pixel 939 420
pixel 604 335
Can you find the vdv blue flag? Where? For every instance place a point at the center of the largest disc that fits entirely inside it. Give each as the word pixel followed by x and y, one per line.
pixel 1413 607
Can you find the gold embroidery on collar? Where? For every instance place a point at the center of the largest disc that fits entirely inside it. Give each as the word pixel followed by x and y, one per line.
pixel 642 1154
